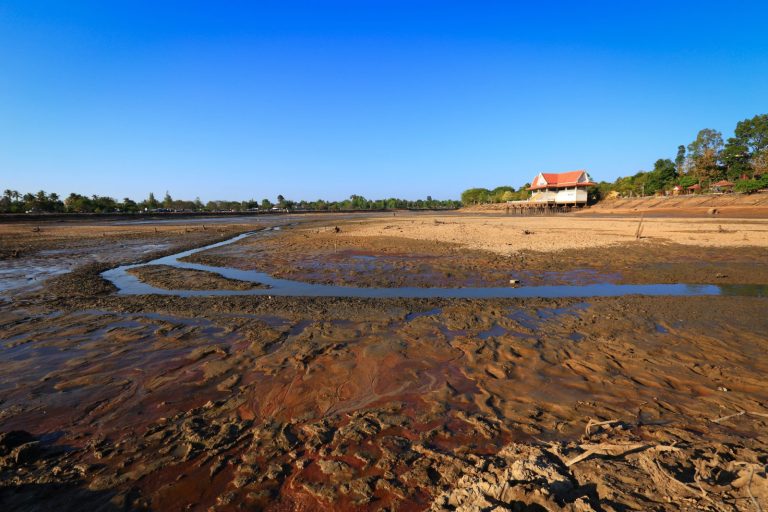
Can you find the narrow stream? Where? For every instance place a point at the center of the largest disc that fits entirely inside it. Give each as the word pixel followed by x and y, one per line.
pixel 128 284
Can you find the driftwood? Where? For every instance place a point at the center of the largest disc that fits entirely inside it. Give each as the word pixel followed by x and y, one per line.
pixel 617 450
pixel 605 449
pixel 740 413
pixel 592 423
pixel 718 420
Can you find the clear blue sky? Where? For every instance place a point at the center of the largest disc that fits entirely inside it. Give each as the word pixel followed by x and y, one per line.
pixel 243 100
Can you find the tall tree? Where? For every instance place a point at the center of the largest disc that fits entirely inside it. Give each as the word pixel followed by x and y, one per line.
pixel 759 163
pixel 663 175
pixel 754 133
pixel 736 158
pixel 152 202
pixel 680 160
pixel 746 150
pixel 705 153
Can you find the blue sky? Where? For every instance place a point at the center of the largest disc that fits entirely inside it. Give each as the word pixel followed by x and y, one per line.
pixel 238 100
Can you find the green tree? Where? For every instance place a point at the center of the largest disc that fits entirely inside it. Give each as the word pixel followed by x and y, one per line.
pixel 753 133
pixel 705 153
pixel 748 186
pixel 680 160
pixel 508 196
pixel 745 150
pixel 664 175
pixel 687 181
pixel 475 196
pixel 736 158
pixel 129 205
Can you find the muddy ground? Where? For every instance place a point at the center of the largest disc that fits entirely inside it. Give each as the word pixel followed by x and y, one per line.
pixel 112 402
pixel 172 278
pixel 31 253
pixel 346 254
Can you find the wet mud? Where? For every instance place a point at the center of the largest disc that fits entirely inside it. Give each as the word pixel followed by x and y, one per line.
pixel 112 402
pixel 172 278
pixel 324 256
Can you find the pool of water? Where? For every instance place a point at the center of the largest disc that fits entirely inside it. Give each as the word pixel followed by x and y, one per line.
pixel 128 284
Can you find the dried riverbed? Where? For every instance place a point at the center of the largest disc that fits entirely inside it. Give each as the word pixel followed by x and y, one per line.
pixel 168 403
pixel 419 252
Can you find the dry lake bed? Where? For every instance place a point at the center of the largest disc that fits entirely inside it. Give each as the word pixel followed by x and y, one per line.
pixel 318 363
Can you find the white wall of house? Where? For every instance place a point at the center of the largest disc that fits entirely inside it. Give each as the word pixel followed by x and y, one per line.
pixel 570 196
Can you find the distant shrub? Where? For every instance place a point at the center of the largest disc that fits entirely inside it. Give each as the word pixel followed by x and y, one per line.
pixel 687 181
pixel 748 186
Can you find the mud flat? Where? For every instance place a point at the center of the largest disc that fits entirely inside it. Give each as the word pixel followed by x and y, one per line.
pixel 465 251
pixel 289 403
pixel 171 278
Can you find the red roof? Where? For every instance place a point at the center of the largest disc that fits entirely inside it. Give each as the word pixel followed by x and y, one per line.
pixel 723 183
pixel 694 187
pixel 561 180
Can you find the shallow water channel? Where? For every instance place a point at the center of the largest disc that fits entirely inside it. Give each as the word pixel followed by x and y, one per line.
pixel 129 284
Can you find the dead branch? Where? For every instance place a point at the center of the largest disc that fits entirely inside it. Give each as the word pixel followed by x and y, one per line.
pixel 606 449
pixel 740 413
pixel 749 490
pixel 656 472
pixel 697 479
pixel 616 450
pixel 718 420
pixel 592 423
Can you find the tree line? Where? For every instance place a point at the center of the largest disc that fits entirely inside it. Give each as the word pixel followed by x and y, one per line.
pixel 497 195
pixel 742 160
pixel 14 202
pixel 708 159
